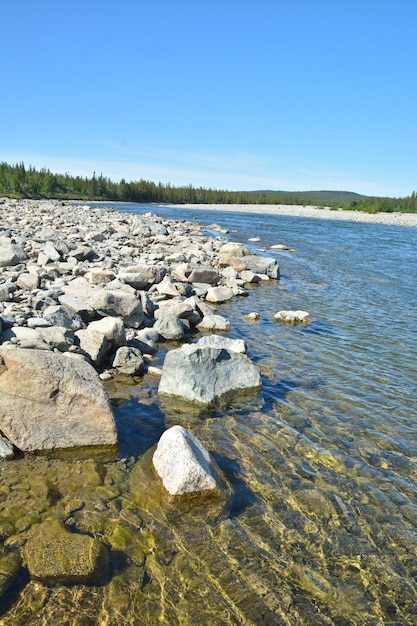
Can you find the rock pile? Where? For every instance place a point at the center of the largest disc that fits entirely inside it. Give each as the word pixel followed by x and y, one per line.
pixel 99 288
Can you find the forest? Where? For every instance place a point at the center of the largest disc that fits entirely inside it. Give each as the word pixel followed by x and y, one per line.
pixel 18 181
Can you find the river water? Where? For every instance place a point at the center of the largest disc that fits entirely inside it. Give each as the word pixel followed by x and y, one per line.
pixel 320 526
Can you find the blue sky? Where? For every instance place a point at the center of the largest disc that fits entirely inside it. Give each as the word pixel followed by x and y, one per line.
pixel 230 94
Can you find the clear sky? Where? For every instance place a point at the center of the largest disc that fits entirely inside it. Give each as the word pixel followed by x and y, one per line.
pixel 231 94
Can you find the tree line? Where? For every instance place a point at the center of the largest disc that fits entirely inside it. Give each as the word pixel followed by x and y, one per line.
pixel 18 181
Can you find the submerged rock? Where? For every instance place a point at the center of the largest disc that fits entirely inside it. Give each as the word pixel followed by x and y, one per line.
pixel 203 374
pixel 50 401
pixel 183 463
pixel 56 556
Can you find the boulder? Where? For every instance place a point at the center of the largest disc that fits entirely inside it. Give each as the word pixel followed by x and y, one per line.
pixel 74 304
pixel 203 374
pixel 293 317
pixel 119 303
pixel 57 337
pixel 94 344
pixel 112 328
pixel 28 337
pixel 203 274
pixel 142 276
pixel 262 265
pixel 129 361
pixel 48 401
pixel 56 556
pixel 28 281
pixel 170 327
pixel 183 463
pixel 11 254
pixel 59 315
pixel 214 323
pixel 219 294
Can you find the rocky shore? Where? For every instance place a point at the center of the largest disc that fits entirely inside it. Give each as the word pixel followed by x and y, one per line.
pixel 89 294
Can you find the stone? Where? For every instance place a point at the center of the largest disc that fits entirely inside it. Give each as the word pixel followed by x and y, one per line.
pixel 51 252
pixel 28 281
pixel 6 448
pixel 10 566
pixel 128 361
pixel 48 401
pixel 112 328
pixel 203 275
pixel 219 294
pixel 11 254
pixel 232 248
pixel 56 556
pixel 217 341
pixel 293 317
pixel 214 323
pixel 167 288
pixel 94 344
pixel 57 337
pixel 253 315
pixel 170 327
pixel 119 303
pixel 262 265
pixel 78 306
pixel 59 315
pixel 183 463
pixel 30 337
pixel 142 276
pixel 204 374
pixel 181 309
pixel 249 277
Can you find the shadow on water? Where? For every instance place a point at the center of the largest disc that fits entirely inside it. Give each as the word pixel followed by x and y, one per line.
pixel 241 497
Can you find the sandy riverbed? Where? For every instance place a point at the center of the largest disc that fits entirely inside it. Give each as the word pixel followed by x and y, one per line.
pixel 397 219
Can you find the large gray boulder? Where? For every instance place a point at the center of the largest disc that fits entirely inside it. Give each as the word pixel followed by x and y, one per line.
pixel 110 302
pixel 203 374
pixel 170 327
pixel 262 265
pixel 50 401
pixel 183 463
pixel 128 361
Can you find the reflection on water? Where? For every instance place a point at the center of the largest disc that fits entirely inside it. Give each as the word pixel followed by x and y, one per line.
pixel 320 524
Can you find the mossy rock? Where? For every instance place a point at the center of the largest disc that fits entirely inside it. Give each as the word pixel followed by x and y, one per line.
pixel 56 556
pixel 9 570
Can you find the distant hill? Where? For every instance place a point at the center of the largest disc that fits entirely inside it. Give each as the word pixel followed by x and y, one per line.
pixel 314 197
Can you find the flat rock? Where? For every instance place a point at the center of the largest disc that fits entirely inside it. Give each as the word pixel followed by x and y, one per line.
pixel 48 401
pixel 56 556
pixel 183 463
pixel 204 374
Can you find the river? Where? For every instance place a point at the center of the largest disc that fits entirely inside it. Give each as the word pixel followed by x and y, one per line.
pixel 321 526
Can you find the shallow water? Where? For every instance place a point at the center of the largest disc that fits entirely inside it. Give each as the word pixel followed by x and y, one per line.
pixel 320 526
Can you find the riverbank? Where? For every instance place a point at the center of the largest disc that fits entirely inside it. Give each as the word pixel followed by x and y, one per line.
pixel 394 219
